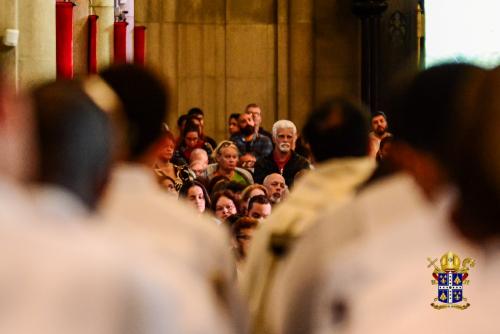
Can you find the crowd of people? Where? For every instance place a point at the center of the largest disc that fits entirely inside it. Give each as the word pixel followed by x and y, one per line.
pixel 115 222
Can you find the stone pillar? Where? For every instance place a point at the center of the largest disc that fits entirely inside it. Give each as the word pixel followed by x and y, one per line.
pixel 34 58
pixel 106 12
pixel 8 55
pixel 301 60
pixel 370 11
pixel 37 42
pixel 282 61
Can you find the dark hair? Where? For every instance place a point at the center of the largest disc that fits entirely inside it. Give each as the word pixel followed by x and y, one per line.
pixel 259 199
pixel 145 100
pixel 190 127
pixel 217 183
pixel 423 110
pixel 379 113
pixel 235 116
pixel 386 140
pixel 337 128
pixel 181 121
pixel 183 192
pixel 195 112
pixel 475 159
pixel 235 187
pixel 74 139
pixel 224 193
pixel 242 223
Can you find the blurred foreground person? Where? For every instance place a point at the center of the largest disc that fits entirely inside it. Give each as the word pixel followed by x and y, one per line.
pixel 18 157
pixel 58 280
pixel 144 215
pixel 338 135
pixel 363 266
pixel 477 215
pixel 75 145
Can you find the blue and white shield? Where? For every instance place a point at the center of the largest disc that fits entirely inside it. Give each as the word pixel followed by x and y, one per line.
pixel 450 287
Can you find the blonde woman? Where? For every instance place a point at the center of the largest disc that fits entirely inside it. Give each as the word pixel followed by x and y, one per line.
pixel 226 155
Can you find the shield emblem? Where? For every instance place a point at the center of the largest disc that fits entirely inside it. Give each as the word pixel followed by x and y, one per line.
pixel 450 287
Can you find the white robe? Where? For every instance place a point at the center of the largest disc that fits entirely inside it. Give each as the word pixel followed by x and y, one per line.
pixel 363 267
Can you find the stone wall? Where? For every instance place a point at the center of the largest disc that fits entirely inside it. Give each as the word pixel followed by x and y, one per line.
pixel 285 55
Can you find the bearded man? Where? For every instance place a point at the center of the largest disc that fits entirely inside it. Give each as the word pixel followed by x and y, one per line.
pixel 250 141
pixel 283 159
pixel 379 131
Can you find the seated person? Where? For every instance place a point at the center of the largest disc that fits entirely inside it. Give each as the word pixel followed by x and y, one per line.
pixel 226 155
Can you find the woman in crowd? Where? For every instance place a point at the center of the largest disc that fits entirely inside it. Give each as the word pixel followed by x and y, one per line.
pixel 168 184
pixel 196 194
pixel 226 156
pixel 249 192
pixel 190 139
pixel 164 165
pixel 233 126
pixel 224 205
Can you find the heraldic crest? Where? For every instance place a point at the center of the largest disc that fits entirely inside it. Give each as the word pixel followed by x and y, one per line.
pixel 450 279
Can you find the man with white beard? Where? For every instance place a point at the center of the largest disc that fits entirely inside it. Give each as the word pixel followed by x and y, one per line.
pixel 282 160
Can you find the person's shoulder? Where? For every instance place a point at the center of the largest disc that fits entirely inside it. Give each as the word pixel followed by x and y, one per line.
pixel 265 160
pixel 301 160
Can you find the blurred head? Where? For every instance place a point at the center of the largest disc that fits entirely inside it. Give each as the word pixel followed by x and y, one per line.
pixel 144 98
pixel 242 231
pixel 197 113
pixel 191 136
pixel 224 204
pixel 379 123
pixel 284 136
pixel 168 184
pixel 475 159
pixel 385 148
pixel 226 154
pixel 336 129
pixel 254 110
pixel 259 207
pixel 233 125
pixel 275 185
pixel 74 140
pixel 196 194
pixel 16 133
pixel 421 147
pixel 181 122
pixel 246 124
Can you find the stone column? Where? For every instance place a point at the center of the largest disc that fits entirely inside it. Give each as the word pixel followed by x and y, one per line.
pixel 301 60
pixel 370 11
pixel 8 55
pixel 105 10
pixel 34 58
pixel 282 62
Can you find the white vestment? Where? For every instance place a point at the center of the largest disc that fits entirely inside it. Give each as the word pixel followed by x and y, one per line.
pixel 363 266
pixel 332 183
